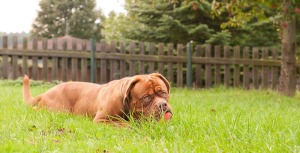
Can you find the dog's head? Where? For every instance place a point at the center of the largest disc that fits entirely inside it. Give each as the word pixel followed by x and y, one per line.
pixel 148 96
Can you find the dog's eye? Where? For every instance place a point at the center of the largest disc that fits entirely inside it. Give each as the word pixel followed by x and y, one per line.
pixel 164 94
pixel 147 98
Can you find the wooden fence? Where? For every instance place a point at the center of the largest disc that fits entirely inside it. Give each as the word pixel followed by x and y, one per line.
pixel 63 60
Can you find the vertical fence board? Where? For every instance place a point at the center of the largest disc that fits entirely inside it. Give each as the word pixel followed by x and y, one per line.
pixel 45 61
pixel 103 63
pixel 64 67
pixel 151 52
pixel 142 63
pixel 84 63
pixel 132 62
pixel 208 74
pixel 237 67
pixel 114 74
pixel 74 63
pixel 161 53
pixel 5 59
pixel 198 75
pixel 15 66
pixel 64 64
pixel 274 70
pixel 54 69
pixel 227 67
pixel 246 73
pixel 84 67
pixel 217 67
pixel 34 62
pixel 179 67
pixel 265 79
pixel 98 62
pixel 255 69
pixel 54 73
pixel 170 76
pixel 122 62
pixel 25 57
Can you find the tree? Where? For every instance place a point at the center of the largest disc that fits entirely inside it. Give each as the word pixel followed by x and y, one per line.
pixel 242 12
pixel 59 17
pixel 161 21
pixel 115 26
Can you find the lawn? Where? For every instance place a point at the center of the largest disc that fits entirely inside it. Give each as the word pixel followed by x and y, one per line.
pixel 212 120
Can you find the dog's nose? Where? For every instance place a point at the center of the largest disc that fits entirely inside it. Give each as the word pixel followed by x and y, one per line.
pixel 162 105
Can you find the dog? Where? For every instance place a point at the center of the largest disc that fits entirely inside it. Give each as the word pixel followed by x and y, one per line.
pixel 140 96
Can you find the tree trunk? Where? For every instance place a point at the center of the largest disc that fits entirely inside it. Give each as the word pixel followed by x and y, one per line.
pixel 287 84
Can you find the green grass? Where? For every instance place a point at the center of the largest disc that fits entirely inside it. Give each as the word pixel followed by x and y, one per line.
pixel 214 120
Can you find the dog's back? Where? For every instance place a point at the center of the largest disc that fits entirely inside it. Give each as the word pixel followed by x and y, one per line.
pixel 73 97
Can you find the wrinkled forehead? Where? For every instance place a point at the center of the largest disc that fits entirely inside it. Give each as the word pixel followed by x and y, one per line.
pixel 149 83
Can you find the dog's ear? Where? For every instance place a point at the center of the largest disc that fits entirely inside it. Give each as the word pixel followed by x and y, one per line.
pixel 127 86
pixel 163 79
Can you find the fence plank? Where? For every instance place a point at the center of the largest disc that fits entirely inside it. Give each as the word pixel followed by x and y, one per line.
pixel 103 63
pixel 54 74
pixel 236 67
pixel 74 66
pixel 227 67
pixel 170 72
pixel 151 52
pixel 265 69
pixel 161 53
pixel 218 66
pixel 208 74
pixel 84 63
pixel 45 61
pixel 64 64
pixel 122 61
pixel 114 74
pixel 198 75
pixel 5 59
pixel 84 67
pixel 246 73
pixel 149 58
pixel 179 66
pixel 15 67
pixel 142 63
pixel 34 61
pixel 25 57
pixel 74 63
pixel 132 62
pixel 275 70
pixel 255 69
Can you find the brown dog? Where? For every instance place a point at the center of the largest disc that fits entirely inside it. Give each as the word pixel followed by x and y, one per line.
pixel 140 95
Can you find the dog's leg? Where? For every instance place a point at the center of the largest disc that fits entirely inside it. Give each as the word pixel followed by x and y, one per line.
pixel 102 117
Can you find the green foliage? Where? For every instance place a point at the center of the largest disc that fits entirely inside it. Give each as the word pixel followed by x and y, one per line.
pixel 214 120
pixel 239 13
pixel 162 22
pixel 256 34
pixel 180 22
pixel 54 16
pixel 115 26
pixel 222 37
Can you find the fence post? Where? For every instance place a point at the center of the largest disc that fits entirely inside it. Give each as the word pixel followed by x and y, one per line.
pixel 189 64
pixel 92 60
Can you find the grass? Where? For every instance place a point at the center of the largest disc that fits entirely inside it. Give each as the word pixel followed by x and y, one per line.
pixel 213 120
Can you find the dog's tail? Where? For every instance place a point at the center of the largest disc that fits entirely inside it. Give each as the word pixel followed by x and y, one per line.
pixel 27 98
